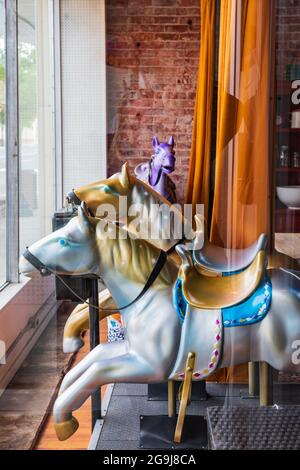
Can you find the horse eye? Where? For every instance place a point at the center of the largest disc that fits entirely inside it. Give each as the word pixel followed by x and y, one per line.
pixel 63 242
pixel 106 189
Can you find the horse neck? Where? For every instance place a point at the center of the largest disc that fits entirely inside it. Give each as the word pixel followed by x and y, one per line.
pixel 126 265
pixel 161 183
pixel 148 198
pixel 122 289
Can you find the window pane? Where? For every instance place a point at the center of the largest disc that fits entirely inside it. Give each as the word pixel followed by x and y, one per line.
pixel 35 125
pixel 2 149
pixel 29 222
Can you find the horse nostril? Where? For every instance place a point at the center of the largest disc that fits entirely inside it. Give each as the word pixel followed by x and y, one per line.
pixel 73 198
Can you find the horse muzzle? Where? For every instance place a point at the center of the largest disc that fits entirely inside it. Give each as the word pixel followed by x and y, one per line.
pixel 72 198
pixel 29 263
pixel 25 267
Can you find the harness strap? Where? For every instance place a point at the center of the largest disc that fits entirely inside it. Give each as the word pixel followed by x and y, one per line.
pixel 46 271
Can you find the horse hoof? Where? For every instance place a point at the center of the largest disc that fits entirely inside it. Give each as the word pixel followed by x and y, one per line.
pixel 66 429
pixel 71 345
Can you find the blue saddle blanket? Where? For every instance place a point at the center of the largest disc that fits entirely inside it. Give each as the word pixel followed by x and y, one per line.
pixel 253 310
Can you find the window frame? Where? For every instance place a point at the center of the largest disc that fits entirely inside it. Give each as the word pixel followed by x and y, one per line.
pixel 12 136
pixel 12 142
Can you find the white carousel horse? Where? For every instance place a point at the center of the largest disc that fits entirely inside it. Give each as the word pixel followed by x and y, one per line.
pixel 224 321
pixel 109 192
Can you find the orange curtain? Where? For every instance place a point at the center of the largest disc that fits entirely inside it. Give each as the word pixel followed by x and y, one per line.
pixel 241 206
pixel 198 184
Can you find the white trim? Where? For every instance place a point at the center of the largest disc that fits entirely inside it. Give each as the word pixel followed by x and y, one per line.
pixel 96 434
pixel 100 422
pixel 57 106
pixel 106 400
pixel 12 142
pixel 45 114
pixel 11 290
pixel 20 350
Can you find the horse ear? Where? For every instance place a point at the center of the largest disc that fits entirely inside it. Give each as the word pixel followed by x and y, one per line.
pixel 185 256
pixel 125 177
pixel 171 141
pixel 155 142
pixel 85 224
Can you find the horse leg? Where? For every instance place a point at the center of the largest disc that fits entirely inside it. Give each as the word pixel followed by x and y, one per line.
pixel 265 384
pixel 125 368
pixel 79 321
pixel 102 351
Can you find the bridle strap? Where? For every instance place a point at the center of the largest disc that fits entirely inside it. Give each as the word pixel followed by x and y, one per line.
pixel 46 271
pixel 36 263
pixel 150 173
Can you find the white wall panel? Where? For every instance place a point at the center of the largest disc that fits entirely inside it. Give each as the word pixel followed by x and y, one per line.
pixel 83 89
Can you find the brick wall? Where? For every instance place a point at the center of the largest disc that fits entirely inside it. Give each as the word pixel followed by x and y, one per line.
pixel 152 58
pixel 287 35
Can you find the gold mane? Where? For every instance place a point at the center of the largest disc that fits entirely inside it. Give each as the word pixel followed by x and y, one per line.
pixel 135 258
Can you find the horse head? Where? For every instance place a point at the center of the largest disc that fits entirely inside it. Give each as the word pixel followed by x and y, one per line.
pixel 163 158
pixel 104 192
pixel 69 250
pixel 155 171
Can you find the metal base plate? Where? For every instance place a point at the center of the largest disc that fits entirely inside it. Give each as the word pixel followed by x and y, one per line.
pixel 246 396
pixel 159 392
pixel 157 432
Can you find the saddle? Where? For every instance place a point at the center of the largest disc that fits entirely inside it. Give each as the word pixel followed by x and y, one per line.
pixel 207 292
pixel 224 260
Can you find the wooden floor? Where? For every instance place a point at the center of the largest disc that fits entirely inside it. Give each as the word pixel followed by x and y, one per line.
pixel 48 440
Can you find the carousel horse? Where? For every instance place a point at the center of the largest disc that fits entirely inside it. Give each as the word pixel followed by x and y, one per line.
pixel 106 192
pixel 156 171
pixel 218 322
pixel 206 255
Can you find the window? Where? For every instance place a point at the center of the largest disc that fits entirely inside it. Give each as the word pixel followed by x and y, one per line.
pixel 36 200
pixel 31 176
pixel 54 154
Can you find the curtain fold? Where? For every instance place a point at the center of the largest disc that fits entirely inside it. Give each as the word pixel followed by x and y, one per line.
pixel 198 183
pixel 241 208
pixel 241 205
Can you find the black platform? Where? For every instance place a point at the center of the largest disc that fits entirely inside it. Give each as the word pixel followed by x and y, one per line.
pixel 121 427
pixel 157 432
pixel 159 391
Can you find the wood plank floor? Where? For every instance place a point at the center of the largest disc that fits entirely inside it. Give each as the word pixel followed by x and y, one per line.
pixel 26 399
pixel 47 438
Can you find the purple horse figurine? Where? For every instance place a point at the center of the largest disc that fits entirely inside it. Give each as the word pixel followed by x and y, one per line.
pixel 156 171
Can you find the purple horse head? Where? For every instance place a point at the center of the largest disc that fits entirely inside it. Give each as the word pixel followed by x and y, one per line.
pixel 160 165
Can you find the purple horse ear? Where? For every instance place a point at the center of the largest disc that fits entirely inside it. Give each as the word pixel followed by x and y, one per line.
pixel 155 142
pixel 171 141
